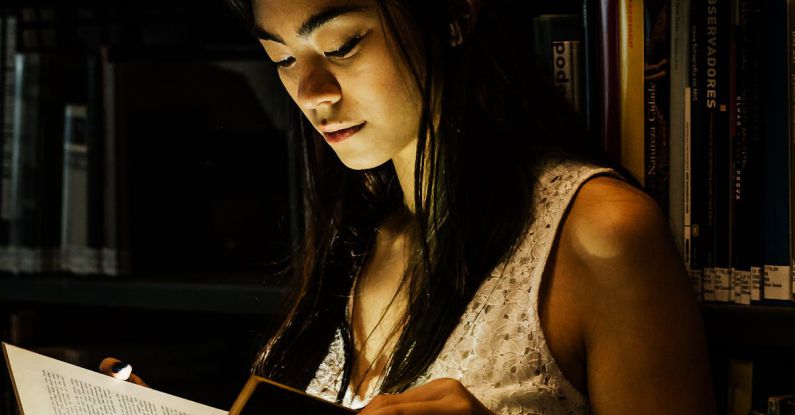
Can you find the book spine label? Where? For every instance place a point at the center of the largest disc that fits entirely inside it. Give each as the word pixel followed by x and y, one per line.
pixel 756 283
pixel 723 285
pixel 777 281
pixel 741 282
pixel 697 282
pixel 708 286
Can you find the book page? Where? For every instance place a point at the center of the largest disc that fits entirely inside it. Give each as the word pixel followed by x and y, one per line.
pixel 46 386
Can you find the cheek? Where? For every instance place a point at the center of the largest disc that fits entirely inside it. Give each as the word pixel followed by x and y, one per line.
pixel 290 85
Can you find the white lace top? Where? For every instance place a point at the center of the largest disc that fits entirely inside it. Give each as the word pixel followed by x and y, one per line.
pixel 498 351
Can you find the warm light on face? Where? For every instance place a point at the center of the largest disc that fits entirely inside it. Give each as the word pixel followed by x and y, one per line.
pixel 335 61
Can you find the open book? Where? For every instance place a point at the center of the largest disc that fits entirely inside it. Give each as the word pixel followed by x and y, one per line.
pixel 46 386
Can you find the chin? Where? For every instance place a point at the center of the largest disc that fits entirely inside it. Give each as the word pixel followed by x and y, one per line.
pixel 361 163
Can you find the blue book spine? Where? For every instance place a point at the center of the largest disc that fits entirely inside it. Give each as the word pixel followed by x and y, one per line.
pixel 775 141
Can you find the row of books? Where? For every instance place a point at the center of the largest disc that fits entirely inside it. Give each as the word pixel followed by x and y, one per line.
pixel 700 95
pixel 116 161
pixel 731 109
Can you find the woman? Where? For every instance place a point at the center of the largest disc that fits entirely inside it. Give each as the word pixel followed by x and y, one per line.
pixel 466 251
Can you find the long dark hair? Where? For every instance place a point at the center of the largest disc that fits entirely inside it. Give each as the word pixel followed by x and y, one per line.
pixel 487 122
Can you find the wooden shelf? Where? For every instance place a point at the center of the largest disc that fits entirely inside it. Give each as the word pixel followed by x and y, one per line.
pixel 749 326
pixel 185 295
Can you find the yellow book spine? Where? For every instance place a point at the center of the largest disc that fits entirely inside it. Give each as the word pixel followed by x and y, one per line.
pixel 632 86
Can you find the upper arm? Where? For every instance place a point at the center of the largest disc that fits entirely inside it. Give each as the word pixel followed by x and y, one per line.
pixel 641 326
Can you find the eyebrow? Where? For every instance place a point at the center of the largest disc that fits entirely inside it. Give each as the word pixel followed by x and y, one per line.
pixel 311 24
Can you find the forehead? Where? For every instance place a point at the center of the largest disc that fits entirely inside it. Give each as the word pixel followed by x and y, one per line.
pixel 278 15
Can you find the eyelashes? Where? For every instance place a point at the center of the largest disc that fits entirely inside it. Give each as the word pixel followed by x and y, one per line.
pixel 346 48
pixel 342 52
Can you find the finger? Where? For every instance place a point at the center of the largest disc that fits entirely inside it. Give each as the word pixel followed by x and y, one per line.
pixel 431 391
pixel 137 380
pixel 436 407
pixel 120 370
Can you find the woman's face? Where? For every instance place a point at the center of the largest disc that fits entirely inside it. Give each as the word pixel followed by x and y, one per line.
pixel 335 60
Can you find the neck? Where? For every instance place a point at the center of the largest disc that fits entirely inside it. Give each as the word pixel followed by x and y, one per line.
pixel 404 167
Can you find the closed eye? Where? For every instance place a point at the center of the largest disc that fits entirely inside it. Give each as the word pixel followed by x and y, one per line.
pixel 284 63
pixel 345 49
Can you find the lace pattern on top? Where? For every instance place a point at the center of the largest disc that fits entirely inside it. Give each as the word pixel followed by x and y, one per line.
pixel 498 351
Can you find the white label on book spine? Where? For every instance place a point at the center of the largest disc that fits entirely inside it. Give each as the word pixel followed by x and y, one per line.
pixel 756 283
pixel 741 281
pixel 777 283
pixel 708 286
pixel 723 284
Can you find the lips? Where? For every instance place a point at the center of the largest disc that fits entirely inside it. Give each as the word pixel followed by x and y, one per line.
pixel 342 134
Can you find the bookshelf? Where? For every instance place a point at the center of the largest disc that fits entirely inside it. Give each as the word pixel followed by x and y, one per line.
pixel 221 298
pixel 214 295
pixel 199 192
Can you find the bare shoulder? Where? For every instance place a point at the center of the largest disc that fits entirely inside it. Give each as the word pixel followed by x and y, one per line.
pixel 645 350
pixel 609 217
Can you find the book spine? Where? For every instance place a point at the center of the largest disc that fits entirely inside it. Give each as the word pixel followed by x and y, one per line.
pixel 718 129
pixel 775 136
pixel 94 140
pixel 746 239
pixel 75 255
pixel 110 261
pixel 24 233
pixel 9 79
pixel 566 76
pixel 631 84
pixel 791 99
pixel 678 185
pixel 590 66
pixel 701 257
pixel 748 152
pixel 657 89
pixel 558 40
pixel 610 78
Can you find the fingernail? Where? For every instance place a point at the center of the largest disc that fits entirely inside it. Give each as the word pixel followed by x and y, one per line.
pixel 118 367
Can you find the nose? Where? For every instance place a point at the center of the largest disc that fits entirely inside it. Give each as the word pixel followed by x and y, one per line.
pixel 317 88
